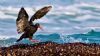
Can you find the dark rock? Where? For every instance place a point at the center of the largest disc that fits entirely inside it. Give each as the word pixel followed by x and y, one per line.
pixel 51 49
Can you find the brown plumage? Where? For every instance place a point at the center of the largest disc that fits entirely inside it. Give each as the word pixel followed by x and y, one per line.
pixel 23 25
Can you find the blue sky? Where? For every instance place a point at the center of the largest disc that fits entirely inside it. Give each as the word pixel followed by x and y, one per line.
pixel 41 2
pixel 98 1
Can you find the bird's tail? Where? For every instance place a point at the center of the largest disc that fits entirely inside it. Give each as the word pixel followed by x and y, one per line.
pixel 19 39
pixel 23 36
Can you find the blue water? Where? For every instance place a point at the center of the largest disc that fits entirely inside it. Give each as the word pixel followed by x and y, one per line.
pixel 68 21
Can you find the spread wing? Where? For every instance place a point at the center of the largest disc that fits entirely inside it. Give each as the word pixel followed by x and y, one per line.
pixel 40 13
pixel 22 20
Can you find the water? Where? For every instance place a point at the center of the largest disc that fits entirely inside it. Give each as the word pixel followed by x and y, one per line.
pixel 68 21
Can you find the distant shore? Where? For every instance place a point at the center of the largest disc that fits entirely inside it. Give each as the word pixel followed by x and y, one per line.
pixel 51 49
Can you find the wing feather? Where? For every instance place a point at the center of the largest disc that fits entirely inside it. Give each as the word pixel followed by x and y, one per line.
pixel 22 20
pixel 40 13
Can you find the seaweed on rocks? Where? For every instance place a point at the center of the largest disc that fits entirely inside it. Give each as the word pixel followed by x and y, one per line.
pixel 51 49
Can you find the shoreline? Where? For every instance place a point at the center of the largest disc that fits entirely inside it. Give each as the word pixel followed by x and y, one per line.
pixel 52 49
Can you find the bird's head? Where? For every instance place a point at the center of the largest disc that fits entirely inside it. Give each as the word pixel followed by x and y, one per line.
pixel 38 26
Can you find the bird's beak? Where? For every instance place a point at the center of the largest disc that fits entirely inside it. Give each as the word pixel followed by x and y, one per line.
pixel 41 28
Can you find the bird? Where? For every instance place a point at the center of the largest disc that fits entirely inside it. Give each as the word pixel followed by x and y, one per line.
pixel 26 26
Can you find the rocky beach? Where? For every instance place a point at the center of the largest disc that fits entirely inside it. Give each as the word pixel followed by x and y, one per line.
pixel 51 49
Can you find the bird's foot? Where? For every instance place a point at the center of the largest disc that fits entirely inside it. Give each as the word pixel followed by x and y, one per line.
pixel 35 41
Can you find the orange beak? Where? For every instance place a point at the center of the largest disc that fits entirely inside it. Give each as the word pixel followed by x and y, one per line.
pixel 41 28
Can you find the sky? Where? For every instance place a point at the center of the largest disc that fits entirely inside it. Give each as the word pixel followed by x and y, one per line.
pixel 43 2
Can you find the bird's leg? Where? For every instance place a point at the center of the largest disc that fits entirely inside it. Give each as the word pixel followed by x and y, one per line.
pixel 33 40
